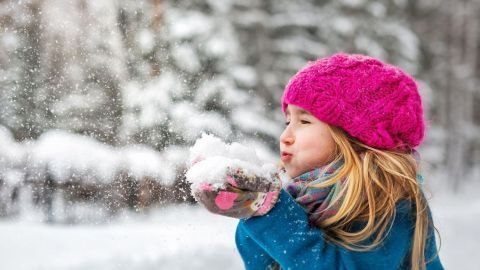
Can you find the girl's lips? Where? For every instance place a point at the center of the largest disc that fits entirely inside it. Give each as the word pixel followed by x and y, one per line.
pixel 285 156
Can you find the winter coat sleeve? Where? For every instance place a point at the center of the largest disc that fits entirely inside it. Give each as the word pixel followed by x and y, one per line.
pixel 286 236
pixel 255 258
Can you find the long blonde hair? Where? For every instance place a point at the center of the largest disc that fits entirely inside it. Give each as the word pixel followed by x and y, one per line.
pixel 376 181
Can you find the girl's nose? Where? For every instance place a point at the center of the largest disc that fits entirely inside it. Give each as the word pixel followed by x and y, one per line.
pixel 287 137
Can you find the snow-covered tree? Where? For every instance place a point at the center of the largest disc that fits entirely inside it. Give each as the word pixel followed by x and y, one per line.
pixel 450 43
pixel 200 81
pixel 284 35
pixel 82 67
pixel 157 74
pixel 19 43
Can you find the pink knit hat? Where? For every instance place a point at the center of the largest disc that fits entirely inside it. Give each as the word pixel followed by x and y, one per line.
pixel 375 102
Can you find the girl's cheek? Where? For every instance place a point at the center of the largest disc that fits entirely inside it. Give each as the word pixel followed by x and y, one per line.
pixel 309 141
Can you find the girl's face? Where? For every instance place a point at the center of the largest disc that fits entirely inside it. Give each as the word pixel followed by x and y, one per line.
pixel 306 142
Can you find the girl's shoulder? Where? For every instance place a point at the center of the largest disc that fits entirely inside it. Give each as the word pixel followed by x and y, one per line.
pixel 407 208
pixel 404 207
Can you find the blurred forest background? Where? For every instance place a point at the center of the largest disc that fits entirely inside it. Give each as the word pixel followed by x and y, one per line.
pixel 100 100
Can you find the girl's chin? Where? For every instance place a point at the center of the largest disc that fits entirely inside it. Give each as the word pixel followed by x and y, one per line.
pixel 295 172
pixel 292 173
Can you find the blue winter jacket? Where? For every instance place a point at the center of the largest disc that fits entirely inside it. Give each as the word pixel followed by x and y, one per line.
pixel 285 236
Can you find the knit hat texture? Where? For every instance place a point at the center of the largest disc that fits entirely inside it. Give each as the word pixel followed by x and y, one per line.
pixel 374 102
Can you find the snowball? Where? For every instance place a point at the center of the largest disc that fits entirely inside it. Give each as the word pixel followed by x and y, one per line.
pixel 211 159
pixel 213 170
pixel 210 146
pixel 241 152
pixel 207 146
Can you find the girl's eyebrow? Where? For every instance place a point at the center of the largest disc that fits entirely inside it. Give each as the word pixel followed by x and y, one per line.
pixel 301 112
pixel 304 112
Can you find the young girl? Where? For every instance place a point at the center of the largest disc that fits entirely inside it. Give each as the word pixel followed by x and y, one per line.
pixel 354 200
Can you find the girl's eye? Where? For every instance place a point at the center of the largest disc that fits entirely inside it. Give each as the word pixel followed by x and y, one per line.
pixel 302 121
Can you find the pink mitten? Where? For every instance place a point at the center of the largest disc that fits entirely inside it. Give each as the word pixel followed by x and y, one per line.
pixel 241 195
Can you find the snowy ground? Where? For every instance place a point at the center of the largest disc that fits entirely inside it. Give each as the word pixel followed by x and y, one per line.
pixel 180 237
pixel 188 237
pixel 458 218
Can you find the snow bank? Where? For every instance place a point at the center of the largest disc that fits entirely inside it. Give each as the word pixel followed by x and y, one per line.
pixel 12 159
pixel 176 156
pixel 11 153
pixel 142 161
pixel 65 155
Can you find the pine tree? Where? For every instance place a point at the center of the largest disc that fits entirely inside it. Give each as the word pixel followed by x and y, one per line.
pixel 83 67
pixel 199 80
pixel 19 73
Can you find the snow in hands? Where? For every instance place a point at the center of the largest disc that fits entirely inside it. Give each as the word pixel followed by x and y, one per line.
pixel 211 160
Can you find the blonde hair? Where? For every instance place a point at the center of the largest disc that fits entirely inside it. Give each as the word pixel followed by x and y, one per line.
pixel 376 181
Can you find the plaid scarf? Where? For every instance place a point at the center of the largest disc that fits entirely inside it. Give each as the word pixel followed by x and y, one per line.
pixel 322 203
pixel 319 202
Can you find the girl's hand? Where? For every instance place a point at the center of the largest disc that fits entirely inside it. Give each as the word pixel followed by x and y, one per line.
pixel 241 195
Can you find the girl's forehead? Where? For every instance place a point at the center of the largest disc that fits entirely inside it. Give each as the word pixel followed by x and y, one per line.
pixel 295 110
